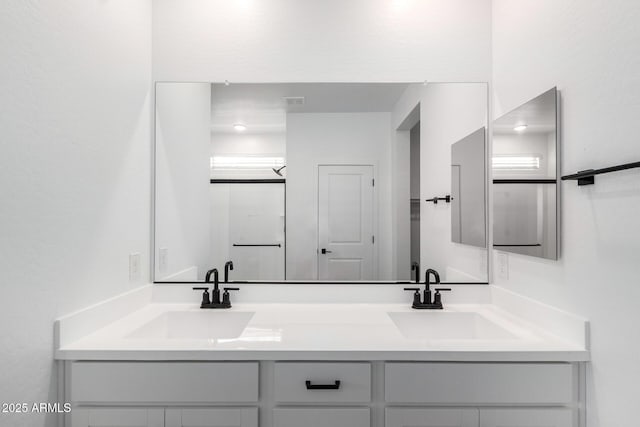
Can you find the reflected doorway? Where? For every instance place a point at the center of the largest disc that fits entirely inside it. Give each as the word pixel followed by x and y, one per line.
pixel 345 222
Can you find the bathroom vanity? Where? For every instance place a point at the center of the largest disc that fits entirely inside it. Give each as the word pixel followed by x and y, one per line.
pixel 139 361
pixel 357 205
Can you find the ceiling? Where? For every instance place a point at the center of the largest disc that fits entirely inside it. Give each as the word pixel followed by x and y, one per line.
pixel 539 114
pixel 262 107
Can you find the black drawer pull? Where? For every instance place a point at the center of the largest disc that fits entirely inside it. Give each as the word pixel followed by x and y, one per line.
pixel 334 386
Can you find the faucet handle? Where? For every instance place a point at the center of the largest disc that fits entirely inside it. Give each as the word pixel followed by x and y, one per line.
pixel 437 298
pixel 226 300
pixel 205 295
pixel 416 295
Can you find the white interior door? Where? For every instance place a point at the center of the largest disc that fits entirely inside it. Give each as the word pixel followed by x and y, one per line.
pixel 345 223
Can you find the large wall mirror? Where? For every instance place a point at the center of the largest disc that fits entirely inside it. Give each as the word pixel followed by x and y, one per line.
pixel 525 178
pixel 328 182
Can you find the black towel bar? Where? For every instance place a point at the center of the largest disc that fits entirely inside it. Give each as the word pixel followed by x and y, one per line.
pixel 240 245
pixel 587 177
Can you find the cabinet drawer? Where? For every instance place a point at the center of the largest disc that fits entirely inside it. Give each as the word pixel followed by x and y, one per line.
pixel 164 382
pixel 306 382
pixel 324 417
pixel 479 383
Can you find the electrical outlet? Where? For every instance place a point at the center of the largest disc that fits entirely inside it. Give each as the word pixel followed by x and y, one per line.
pixel 503 265
pixel 134 267
pixel 163 260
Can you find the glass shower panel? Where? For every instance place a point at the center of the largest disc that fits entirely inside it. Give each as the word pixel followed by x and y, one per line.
pixel 248 228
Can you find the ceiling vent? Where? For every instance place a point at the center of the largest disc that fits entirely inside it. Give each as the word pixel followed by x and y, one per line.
pixel 294 101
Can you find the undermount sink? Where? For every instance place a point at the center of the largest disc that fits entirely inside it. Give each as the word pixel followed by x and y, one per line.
pixel 439 325
pixel 202 324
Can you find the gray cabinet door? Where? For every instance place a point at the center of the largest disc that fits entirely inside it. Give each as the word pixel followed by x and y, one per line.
pixel 321 417
pixel 117 417
pixel 420 417
pixel 560 417
pixel 212 417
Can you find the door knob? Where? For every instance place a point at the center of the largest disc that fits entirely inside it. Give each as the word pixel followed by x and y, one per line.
pixel 324 251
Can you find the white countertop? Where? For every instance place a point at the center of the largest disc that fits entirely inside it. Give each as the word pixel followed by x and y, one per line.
pixel 303 331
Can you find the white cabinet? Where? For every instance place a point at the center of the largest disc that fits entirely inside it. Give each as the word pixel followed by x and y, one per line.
pixel 428 417
pixel 423 417
pixel 211 417
pixel 117 417
pixel 560 417
pixel 160 417
pixel 473 384
pixel 158 382
pixel 276 394
pixel 321 417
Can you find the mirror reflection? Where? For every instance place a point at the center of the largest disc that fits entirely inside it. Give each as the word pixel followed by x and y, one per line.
pixel 315 181
pixel 468 216
pixel 525 146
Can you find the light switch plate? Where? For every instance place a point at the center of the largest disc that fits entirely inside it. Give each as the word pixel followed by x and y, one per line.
pixel 503 265
pixel 134 267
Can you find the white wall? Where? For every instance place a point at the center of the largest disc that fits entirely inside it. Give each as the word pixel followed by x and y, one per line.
pixel 74 174
pixel 249 143
pixel 333 139
pixel 329 40
pixel 589 49
pixel 183 149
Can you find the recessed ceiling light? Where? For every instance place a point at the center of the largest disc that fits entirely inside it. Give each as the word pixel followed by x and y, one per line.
pixel 520 128
pixel 239 127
